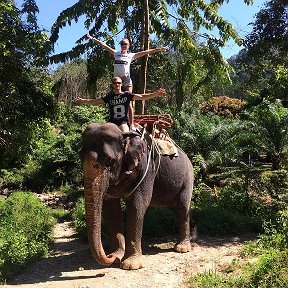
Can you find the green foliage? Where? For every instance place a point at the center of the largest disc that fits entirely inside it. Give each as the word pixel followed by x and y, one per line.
pixel 54 159
pixel 211 138
pixel 271 267
pixel 53 162
pixel 270 132
pixel 24 97
pixel 25 232
pixel 271 270
pixel 60 214
pixel 78 217
pixel 72 80
pixel 267 41
pixel 211 279
pixel 274 183
pixel 159 222
pixel 215 221
pixel 110 14
pixel 264 58
pixel 236 198
pixel 276 234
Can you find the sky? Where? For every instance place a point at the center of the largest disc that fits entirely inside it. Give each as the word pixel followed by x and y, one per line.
pixel 235 11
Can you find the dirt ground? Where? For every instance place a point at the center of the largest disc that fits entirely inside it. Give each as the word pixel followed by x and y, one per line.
pixel 72 266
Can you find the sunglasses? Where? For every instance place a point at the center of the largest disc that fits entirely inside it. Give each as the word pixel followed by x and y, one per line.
pixel 117 83
pixel 123 44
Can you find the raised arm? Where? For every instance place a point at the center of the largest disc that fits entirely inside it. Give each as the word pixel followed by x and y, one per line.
pixel 102 44
pixel 94 102
pixel 150 51
pixel 147 96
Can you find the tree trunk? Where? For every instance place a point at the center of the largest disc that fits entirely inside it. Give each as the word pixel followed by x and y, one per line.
pixel 144 46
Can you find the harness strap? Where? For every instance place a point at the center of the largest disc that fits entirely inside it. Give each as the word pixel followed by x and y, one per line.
pixel 148 161
pixel 144 175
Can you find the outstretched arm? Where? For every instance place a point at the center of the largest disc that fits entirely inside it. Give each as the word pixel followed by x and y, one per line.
pixel 95 102
pixel 102 44
pixel 147 96
pixel 150 51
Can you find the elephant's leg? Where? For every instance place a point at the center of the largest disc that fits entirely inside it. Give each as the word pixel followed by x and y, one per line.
pixel 183 244
pixel 113 217
pixel 134 223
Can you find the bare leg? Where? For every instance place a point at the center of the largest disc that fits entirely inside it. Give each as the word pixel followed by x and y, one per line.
pixel 131 106
pixel 124 128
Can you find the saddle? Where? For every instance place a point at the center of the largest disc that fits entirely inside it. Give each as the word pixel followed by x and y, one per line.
pixel 152 128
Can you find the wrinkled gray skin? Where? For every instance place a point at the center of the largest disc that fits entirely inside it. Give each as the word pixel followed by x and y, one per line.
pixel 106 155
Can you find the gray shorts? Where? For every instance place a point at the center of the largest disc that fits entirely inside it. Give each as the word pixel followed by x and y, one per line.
pixel 126 81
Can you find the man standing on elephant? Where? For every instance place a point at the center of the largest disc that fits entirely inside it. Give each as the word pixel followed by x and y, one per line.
pixel 118 103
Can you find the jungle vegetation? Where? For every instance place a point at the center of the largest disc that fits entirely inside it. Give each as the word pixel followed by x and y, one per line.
pixel 230 116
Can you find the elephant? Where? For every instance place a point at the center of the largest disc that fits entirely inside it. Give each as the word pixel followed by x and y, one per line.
pixel 119 165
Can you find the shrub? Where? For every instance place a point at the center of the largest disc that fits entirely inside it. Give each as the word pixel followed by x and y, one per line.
pixel 226 210
pixel 270 271
pixel 25 232
pixel 275 183
pixel 216 221
pixel 160 222
pixel 78 218
pixel 211 280
pixel 276 234
pixel 223 106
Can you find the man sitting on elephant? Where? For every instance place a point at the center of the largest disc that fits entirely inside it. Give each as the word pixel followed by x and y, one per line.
pixel 118 103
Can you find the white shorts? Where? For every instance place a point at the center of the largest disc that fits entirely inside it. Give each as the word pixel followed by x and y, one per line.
pixel 126 81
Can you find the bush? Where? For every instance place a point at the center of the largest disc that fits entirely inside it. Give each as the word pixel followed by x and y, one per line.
pixel 276 234
pixel 78 218
pixel 159 222
pixel 25 232
pixel 270 271
pixel 215 221
pixel 53 159
pixel 223 106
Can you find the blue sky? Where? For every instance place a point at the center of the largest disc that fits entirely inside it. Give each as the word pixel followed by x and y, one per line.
pixel 236 12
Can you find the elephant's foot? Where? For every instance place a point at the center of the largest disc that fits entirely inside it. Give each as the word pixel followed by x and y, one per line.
pixel 183 247
pixel 132 263
pixel 119 254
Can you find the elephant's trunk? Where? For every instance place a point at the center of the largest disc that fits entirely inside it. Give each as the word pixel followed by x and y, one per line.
pixel 95 186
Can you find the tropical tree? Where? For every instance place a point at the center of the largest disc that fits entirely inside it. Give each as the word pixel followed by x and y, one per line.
pixel 212 140
pixel 25 96
pixel 270 132
pixel 176 23
pixel 261 68
pixel 70 81
pixel 268 39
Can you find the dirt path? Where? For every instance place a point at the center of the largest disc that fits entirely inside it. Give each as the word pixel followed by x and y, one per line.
pixel 72 266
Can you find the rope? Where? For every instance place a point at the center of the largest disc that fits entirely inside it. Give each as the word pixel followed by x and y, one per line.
pixel 144 175
pixel 148 159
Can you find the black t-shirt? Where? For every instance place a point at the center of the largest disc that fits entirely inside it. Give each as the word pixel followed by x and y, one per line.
pixel 118 106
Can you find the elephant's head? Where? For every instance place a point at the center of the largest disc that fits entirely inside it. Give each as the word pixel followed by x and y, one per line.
pixel 106 154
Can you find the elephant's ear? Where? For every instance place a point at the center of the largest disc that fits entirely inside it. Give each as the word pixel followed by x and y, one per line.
pixel 133 152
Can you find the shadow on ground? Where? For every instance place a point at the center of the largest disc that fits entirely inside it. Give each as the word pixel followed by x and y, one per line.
pixel 72 260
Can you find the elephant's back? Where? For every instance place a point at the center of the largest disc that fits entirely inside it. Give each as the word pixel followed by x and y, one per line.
pixel 174 178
